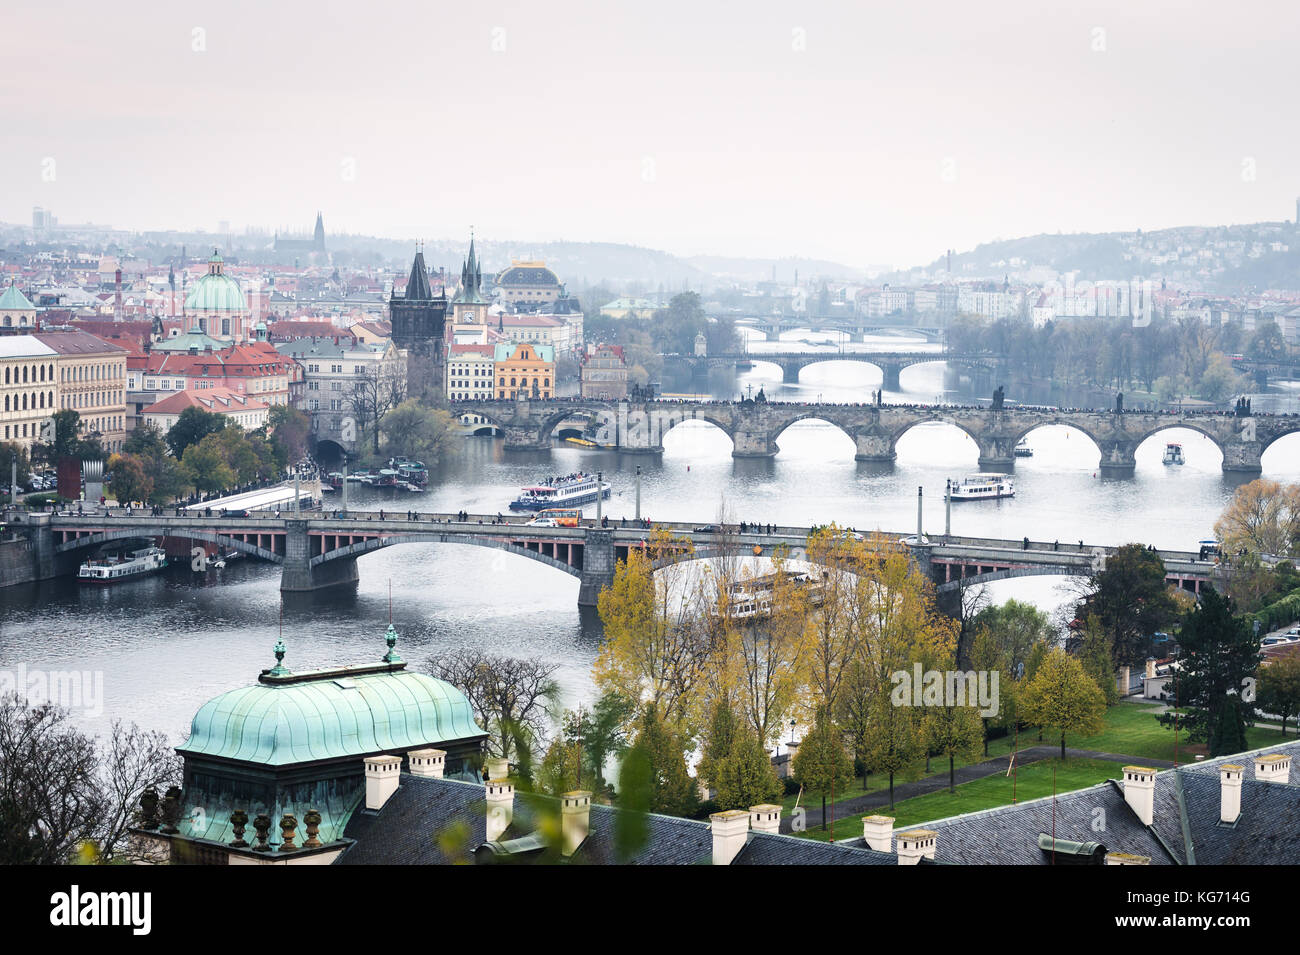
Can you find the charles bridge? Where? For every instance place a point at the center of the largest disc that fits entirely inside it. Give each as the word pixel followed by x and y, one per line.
pixel 318 550
pixel 754 427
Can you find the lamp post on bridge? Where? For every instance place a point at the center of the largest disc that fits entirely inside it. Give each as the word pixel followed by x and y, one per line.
pixel 600 492
pixel 919 492
pixel 947 508
pixel 638 493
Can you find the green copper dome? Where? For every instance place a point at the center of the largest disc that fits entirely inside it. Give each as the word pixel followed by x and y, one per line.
pixel 350 711
pixel 216 291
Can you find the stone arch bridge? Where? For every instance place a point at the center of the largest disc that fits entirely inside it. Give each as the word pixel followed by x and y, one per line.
pixel 754 427
pixel 891 364
pixel 317 550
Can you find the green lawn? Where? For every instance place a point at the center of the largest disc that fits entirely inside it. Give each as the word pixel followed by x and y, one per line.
pixel 1131 730
pixel 1031 781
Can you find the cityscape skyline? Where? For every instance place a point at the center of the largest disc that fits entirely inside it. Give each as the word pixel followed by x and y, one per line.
pixel 868 138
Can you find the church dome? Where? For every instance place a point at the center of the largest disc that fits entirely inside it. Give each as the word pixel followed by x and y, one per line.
pixel 216 291
pixel 287 718
pixel 531 274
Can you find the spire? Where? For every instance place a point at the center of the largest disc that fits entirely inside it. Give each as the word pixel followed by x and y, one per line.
pixel 417 286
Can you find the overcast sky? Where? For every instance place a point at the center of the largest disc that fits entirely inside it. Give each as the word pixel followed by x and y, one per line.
pixel 863 132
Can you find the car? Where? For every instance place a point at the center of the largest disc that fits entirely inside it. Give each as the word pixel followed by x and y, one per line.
pixel 914 541
pixel 1275 640
pixel 543 522
pixel 706 529
pixel 1293 632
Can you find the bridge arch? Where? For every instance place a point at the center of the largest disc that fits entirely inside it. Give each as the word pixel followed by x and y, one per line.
pixel 361 548
pixel 938 418
pixel 549 423
pixel 1286 432
pixel 221 540
pixel 725 427
pixel 814 416
pixel 1186 425
pixel 1070 426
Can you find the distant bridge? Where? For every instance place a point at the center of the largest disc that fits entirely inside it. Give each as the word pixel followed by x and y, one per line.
pixel 755 426
pixel 857 327
pixel 891 364
pixel 318 550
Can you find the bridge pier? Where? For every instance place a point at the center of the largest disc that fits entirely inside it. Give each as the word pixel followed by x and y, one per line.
pixel 753 444
pixel 1118 458
pixel 1244 457
pixel 874 447
pixel 598 563
pixel 299 575
pixel 892 375
pixel 524 439
pixel 790 372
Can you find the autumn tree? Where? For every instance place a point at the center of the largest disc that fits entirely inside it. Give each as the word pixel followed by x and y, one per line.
pixel 1263 517
pixel 191 427
pixel 955 732
pixel 1063 697
pixel 657 648
pixel 821 765
pixel 412 430
pixel 832 635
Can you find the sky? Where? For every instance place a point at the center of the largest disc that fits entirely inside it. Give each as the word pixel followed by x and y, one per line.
pixel 867 133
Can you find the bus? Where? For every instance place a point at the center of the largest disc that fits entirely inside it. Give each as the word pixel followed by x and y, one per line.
pixel 563 516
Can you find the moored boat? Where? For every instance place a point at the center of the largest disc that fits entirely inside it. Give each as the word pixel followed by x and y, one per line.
pixel 110 568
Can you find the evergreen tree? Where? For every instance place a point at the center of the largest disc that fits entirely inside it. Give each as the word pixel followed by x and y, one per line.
pixel 671 789
pixel 1279 688
pixel 1217 654
pixel 745 777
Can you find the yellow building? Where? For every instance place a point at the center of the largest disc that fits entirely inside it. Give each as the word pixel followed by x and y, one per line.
pixel 524 370
pixel 91 380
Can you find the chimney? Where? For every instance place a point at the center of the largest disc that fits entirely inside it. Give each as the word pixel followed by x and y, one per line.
pixel 1140 791
pixel 916 844
pixel 427 762
pixel 1274 768
pixel 500 807
pixel 1230 792
pixel 878 832
pixel 575 819
pixel 730 831
pixel 1151 668
pixel 765 818
pixel 498 767
pixel 382 775
pixel 1126 858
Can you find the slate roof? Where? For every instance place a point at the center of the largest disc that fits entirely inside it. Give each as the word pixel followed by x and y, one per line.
pixel 442 821
pixel 1008 835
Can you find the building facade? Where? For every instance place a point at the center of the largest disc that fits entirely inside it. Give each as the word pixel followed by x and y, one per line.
pixel 28 386
pixel 525 371
pixel 91 380
pixel 469 372
pixel 604 373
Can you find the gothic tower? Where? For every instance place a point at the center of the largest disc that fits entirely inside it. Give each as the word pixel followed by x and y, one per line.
pixel 418 320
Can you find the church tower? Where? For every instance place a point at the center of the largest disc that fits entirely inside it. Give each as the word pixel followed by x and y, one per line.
pixel 418 320
pixel 469 307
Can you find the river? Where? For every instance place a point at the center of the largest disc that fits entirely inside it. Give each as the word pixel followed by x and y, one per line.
pixel 164 645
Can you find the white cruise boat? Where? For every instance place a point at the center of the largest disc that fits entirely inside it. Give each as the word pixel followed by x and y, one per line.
pixel 571 490
pixel 1023 450
pixel 1173 454
pixel 108 569
pixel 979 487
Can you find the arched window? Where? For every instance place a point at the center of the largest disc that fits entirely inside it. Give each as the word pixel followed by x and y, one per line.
pixel 24 402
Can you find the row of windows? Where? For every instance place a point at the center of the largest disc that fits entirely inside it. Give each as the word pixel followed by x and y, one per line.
pixel 544 383
pixel 33 370
pixel 83 399
pixel 36 399
pixel 91 372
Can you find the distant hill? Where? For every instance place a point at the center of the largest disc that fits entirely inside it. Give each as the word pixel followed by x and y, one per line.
pixel 779 270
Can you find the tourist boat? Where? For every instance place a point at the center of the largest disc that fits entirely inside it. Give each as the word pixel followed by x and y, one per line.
pixel 110 568
pixel 1173 454
pixel 752 598
pixel 979 487
pixel 570 490
pixel 1023 450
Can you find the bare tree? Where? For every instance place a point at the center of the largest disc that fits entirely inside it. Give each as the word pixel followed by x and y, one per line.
pixel 513 699
pixel 133 760
pixel 376 391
